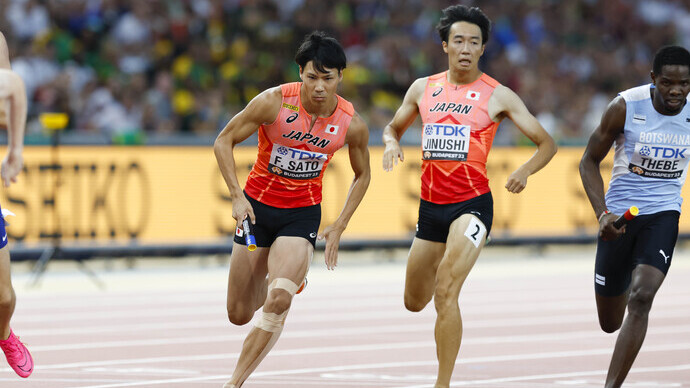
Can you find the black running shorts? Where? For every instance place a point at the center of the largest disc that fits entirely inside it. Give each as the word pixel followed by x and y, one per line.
pixel 273 222
pixel 434 219
pixel 648 239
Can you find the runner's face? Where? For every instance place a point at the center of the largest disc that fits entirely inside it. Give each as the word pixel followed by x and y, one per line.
pixel 320 87
pixel 464 46
pixel 673 86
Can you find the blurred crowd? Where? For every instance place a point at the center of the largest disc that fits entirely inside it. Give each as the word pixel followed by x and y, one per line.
pixel 186 66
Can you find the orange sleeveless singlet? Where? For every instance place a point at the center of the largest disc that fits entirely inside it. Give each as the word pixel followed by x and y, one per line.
pixel 291 160
pixel 457 134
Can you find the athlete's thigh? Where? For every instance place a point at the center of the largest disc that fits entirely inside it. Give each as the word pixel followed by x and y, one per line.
pixel 613 267
pixel 289 258
pixel 657 240
pixel 466 238
pixel 646 279
pixel 5 280
pixel 422 263
pixel 247 271
pixel 612 275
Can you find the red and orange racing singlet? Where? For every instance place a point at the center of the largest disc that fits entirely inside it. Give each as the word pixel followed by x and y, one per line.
pixel 291 160
pixel 457 134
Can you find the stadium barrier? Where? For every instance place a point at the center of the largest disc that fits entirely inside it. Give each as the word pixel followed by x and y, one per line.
pixel 172 200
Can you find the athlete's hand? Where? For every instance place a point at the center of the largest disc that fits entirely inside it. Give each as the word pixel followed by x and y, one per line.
pixel 332 235
pixel 11 167
pixel 241 208
pixel 517 181
pixel 607 231
pixel 391 155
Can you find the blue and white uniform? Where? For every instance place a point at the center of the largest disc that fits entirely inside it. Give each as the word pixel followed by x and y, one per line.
pixel 650 164
pixel 651 154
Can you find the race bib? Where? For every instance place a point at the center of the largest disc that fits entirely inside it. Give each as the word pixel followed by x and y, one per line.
pixel 295 164
pixel 445 142
pixel 659 161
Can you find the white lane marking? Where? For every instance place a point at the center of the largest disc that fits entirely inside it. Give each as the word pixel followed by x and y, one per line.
pixel 368 366
pixel 669 368
pixel 357 330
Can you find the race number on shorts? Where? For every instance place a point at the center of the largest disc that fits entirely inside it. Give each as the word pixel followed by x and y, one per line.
pixel 475 231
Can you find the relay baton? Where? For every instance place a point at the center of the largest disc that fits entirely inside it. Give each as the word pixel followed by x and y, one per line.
pixel 627 216
pixel 249 238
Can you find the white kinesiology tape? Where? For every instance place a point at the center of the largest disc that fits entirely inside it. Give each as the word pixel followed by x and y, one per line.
pixel 284 284
pixel 271 322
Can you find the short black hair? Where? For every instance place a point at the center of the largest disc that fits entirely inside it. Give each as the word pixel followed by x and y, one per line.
pixel 326 52
pixel 670 55
pixel 461 13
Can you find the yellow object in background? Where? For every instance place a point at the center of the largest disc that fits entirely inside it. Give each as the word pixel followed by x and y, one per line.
pixel 53 121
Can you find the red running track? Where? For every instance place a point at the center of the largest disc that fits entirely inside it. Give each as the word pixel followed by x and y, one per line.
pixel 529 322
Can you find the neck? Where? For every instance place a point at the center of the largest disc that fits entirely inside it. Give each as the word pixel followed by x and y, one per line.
pixel 462 77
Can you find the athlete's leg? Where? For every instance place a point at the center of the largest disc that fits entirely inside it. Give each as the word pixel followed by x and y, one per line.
pixel 7 296
pixel 611 310
pixel 288 262
pixel 17 355
pixel 246 283
pixel 646 281
pixel 420 279
pixel 465 240
pixel 612 278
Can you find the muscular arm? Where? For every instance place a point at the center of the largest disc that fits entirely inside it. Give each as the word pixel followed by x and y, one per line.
pixel 13 94
pixel 505 103
pixel 262 109
pixel 612 123
pixel 403 118
pixel 4 53
pixel 357 140
pixel 4 64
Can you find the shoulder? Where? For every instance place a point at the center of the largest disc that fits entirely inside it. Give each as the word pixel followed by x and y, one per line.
pixel 504 94
pixel 264 108
pixel 10 79
pixel 358 132
pixel 613 119
pixel 269 98
pixel 503 99
pixel 420 83
pixel 616 109
pixel 4 53
pixel 638 93
pixel 416 90
pixel 274 94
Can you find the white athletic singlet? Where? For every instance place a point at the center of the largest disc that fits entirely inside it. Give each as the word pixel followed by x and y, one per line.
pixel 651 156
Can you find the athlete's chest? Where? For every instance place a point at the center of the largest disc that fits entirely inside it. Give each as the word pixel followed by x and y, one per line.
pixel 443 103
pixel 658 146
pixel 298 129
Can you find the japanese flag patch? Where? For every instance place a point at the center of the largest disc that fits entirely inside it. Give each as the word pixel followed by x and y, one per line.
pixel 472 95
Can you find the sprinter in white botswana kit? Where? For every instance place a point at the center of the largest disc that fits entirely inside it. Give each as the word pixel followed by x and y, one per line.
pixel 650 126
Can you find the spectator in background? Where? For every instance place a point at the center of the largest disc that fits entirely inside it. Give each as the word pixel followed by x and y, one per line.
pixel 553 54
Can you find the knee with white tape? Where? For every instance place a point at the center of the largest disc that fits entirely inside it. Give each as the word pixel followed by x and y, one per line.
pixel 272 322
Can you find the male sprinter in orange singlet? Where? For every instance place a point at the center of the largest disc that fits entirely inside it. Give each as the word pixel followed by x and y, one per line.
pixel 13 117
pixel 301 125
pixel 460 109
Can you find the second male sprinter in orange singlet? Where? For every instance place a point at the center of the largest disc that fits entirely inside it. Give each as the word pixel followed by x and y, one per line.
pixel 460 110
